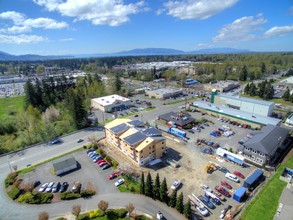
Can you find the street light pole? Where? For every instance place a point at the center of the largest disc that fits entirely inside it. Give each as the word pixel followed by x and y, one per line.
pixel 9 164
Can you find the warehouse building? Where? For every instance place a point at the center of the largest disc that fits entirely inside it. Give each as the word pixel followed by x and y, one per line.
pixel 267 146
pixel 110 103
pixel 254 106
pixel 229 156
pixel 179 119
pixel 140 144
pixel 64 164
pixel 253 120
pixel 164 93
pixel 221 86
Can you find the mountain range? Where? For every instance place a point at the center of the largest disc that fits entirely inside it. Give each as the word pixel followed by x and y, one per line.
pixel 135 52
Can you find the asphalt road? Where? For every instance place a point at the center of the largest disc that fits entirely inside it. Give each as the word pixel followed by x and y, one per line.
pixel 13 211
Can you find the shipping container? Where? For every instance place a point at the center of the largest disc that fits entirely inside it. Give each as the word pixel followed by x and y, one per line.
pixel 177 132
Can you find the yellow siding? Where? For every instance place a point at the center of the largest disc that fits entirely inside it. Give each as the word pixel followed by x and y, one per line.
pixel 116 122
pixel 128 133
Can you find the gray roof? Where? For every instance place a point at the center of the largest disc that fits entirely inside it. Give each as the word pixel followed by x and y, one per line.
pixel 268 139
pixel 63 162
pixel 136 123
pixel 241 98
pixel 119 128
pixel 151 132
pixel 135 138
pixel 172 116
pixel 237 114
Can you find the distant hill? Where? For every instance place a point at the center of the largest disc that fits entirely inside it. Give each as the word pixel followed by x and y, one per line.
pixel 150 51
pixel 28 57
pixel 219 51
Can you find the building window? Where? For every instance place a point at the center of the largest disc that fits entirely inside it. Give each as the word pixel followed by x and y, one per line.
pixel 141 157
pixel 162 148
pixel 141 151
pixel 163 142
pixel 150 152
pixel 149 147
pixel 260 160
pixel 153 151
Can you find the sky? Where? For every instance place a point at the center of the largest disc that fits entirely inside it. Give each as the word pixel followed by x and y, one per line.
pixel 63 27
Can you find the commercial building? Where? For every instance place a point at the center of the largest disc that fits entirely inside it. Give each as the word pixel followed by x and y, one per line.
pixel 140 144
pixel 254 120
pixel 179 119
pixel 164 93
pixel 227 155
pixel 221 86
pixel 110 103
pixel 64 164
pixel 289 120
pixel 254 106
pixel 266 146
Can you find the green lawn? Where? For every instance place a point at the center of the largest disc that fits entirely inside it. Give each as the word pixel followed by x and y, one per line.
pixel 129 185
pixel 10 106
pixel 265 205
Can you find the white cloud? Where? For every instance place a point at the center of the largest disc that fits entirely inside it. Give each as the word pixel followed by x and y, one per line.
pixel 279 31
pixel 197 9
pixel 23 24
pixel 241 29
pixel 204 46
pixel 21 39
pixel 99 12
pixel 67 39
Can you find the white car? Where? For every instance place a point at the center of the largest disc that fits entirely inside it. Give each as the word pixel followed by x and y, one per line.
pixel 176 184
pixel 205 187
pixel 159 215
pixel 43 187
pixel 49 187
pixel 232 177
pixel 119 182
pixel 202 210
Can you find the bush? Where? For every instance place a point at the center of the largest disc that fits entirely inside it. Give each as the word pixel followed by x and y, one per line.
pixel 100 151
pixel 95 213
pixel 39 198
pixel 14 192
pixel 116 213
pixel 61 218
pixel 69 195
pixel 84 216
pixel 10 179
pixel 88 193
pixel 23 197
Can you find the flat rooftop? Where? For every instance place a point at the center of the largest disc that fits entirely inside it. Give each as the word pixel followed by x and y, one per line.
pixel 223 84
pixel 166 90
pixel 288 80
pixel 110 99
pixel 258 119
pixel 244 99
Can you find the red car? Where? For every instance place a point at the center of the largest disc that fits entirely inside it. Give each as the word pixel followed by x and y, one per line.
pixel 102 164
pixel 222 191
pixel 239 174
pixel 101 161
pixel 113 175
pixel 227 185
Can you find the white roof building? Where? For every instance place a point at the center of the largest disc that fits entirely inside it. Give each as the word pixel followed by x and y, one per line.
pixel 110 103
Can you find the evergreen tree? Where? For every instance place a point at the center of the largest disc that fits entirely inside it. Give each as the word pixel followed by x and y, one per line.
pixel 261 88
pixel 149 186
pixel 246 89
pixel 187 209
pixel 117 83
pixel 251 76
pixel 163 192
pixel 268 92
pixel 179 203
pixel 29 94
pixel 286 95
pixel 263 68
pixel 243 74
pixel 291 98
pixel 38 95
pixel 142 184
pixel 173 199
pixel 252 89
pixel 156 191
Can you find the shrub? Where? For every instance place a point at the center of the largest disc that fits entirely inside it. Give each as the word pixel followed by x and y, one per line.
pixel 39 198
pixel 115 164
pixel 10 179
pixel 14 192
pixel 95 213
pixel 69 195
pixel 17 182
pixel 84 216
pixel 61 218
pixel 23 197
pixel 100 151
pixel 116 213
pixel 88 193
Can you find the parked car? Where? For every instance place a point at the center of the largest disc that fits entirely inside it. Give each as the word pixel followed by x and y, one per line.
pixel 79 140
pixel 106 166
pixel 216 201
pixel 43 187
pixel 56 187
pixel 113 175
pixel 101 161
pixel 191 131
pixel 219 195
pixel 176 184
pixel 102 164
pixel 232 177
pixel 76 187
pixel 227 185
pixel 63 187
pixel 207 202
pixel 223 169
pixel 95 159
pixel 56 141
pixel 237 173
pixel 202 210
pixel 119 182
pixel 222 191
pixel 205 187
pixel 136 116
pixel 160 215
pixel 36 183
pixel 49 187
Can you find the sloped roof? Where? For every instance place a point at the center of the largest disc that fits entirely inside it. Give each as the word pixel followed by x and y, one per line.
pixel 172 116
pixel 150 132
pixel 136 123
pixel 119 128
pixel 116 122
pixel 129 132
pixel 63 162
pixel 147 141
pixel 135 138
pixel 268 139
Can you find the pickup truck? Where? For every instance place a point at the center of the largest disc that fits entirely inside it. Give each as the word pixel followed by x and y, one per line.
pixel 222 191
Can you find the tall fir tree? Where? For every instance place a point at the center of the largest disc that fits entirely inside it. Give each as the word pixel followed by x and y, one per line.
pixel 149 186
pixel 164 192
pixel 29 94
pixel 179 203
pixel 286 95
pixel 117 83
pixel 142 184
pixel 173 199
pixel 156 191
pixel 187 209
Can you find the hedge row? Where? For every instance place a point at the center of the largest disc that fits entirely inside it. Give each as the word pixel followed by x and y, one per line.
pixel 10 179
pixel 110 213
pixel 14 192
pixel 36 198
pixel 69 196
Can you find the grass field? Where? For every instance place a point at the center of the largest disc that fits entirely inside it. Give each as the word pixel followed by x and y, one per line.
pixel 265 205
pixel 129 185
pixel 9 106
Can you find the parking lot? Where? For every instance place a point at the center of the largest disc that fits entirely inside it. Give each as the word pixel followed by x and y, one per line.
pixel 88 174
